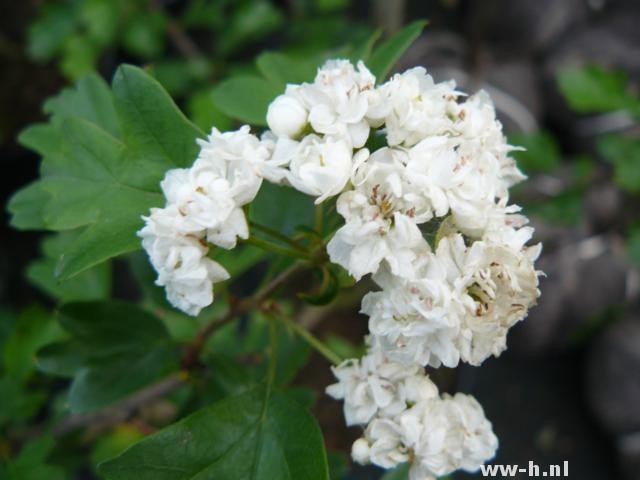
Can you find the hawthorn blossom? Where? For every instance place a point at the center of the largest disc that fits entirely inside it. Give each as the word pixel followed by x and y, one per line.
pixel 422 176
pixel 321 167
pixel 382 215
pixel 181 262
pixel 375 386
pixel 494 287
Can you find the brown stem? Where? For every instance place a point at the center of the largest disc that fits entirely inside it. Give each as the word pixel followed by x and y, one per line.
pixel 125 408
pixel 177 35
pixel 122 410
pixel 237 307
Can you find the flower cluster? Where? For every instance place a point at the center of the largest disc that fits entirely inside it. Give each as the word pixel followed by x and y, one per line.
pixel 421 173
pixel 204 205
pixel 427 216
pixel 407 420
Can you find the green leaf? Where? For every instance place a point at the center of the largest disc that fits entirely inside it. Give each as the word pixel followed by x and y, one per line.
pixel 26 207
pixel 256 435
pixel 108 339
pixel 144 35
pixel 363 50
pixel 205 113
pixel 338 465
pixel 253 340
pixel 624 153
pixel 564 208
pixel 79 56
pixel 281 69
pixel 594 89
pixel 386 55
pixel 246 98
pixel 155 131
pixel 282 208
pixel 19 403
pixel 34 328
pixel 399 473
pixel 542 152
pixel 48 33
pixel 115 442
pixel 249 21
pixel 89 99
pixel 94 179
pixel 93 284
pixel 343 347
pixel 31 463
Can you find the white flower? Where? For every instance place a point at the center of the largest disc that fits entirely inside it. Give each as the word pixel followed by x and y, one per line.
pixel 344 104
pixel 202 198
pixel 494 287
pixel 238 157
pixel 374 385
pixel 321 167
pixel 334 104
pixel 287 116
pixel 438 435
pixel 282 150
pixel 446 434
pixel 381 217
pixel 225 235
pixel 180 260
pixel 413 320
pixel 417 107
pixel 381 445
pixel 482 132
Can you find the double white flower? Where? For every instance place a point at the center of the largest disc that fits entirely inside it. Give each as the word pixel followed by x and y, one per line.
pixel 408 420
pixel 204 204
pixel 426 214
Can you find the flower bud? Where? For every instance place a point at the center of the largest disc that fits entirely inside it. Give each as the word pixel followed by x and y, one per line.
pixel 360 451
pixel 286 116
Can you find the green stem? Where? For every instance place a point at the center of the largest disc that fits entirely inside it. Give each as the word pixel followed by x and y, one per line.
pixel 273 352
pixel 311 339
pixel 275 248
pixel 319 217
pixel 277 235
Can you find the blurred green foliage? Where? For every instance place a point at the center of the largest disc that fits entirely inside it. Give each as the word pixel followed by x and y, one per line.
pixel 192 46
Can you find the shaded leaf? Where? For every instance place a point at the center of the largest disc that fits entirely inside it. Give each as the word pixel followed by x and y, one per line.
pixel 107 339
pixel 541 154
pixel 624 153
pixel 281 69
pixel 34 328
pixel 31 463
pixel 256 435
pixel 594 89
pixel 246 98
pixel 90 177
pixel 93 284
pixel 385 56
pixel 399 473
pixel 282 208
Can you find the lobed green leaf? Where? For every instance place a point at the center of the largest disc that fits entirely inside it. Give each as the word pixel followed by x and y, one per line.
pixel 256 435
pixel 385 56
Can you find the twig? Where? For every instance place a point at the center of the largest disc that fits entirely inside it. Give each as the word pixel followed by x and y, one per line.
pixel 277 235
pixel 123 409
pixel 275 248
pixel 307 336
pixel 192 352
pixel 176 34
